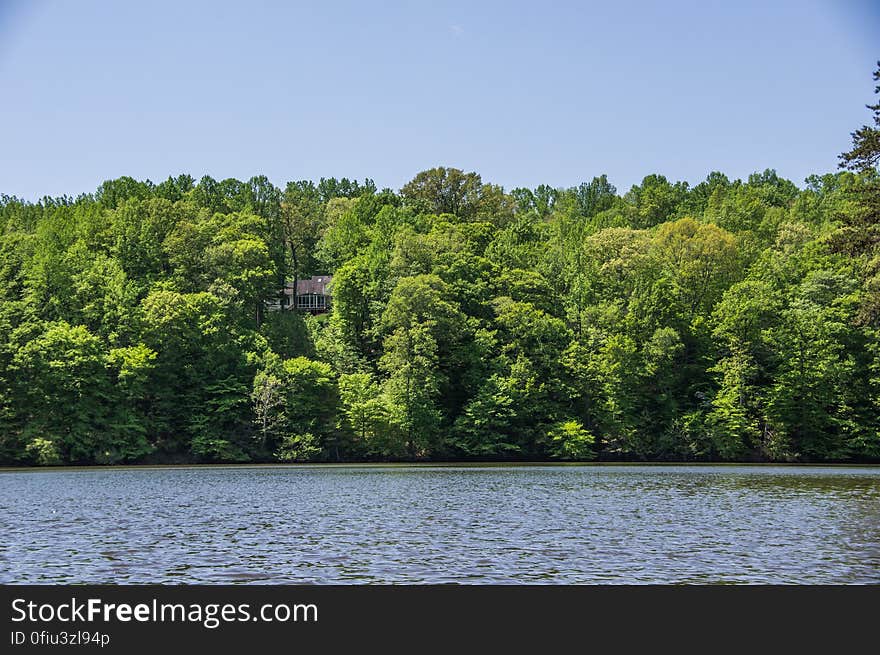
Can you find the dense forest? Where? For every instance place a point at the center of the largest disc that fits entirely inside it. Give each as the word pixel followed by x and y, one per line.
pixel 731 320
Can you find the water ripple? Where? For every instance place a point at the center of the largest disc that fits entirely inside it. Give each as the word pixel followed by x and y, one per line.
pixel 419 524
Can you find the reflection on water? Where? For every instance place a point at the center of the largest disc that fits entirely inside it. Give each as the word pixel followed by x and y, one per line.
pixel 408 524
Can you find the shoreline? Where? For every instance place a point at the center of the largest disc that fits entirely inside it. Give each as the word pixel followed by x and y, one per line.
pixel 440 464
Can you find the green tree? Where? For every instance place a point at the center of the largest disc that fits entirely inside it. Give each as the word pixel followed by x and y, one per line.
pixel 311 401
pixel 452 191
pixel 412 391
pixel 363 412
pixel 569 440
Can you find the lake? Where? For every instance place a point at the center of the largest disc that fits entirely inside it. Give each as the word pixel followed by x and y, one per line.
pixel 440 524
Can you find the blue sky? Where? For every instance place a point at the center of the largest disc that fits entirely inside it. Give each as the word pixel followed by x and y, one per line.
pixel 524 93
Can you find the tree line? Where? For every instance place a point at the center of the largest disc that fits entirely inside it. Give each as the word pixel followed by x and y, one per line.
pixel 731 320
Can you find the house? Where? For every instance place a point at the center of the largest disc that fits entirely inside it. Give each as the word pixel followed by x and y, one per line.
pixel 312 295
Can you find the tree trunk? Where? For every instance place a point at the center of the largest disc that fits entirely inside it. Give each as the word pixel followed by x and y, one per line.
pixel 295 265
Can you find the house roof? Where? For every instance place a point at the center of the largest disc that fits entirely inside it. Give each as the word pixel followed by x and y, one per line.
pixel 316 285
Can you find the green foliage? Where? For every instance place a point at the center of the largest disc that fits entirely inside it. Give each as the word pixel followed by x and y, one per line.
pixel 364 414
pixel 43 452
pixel 451 191
pixel 300 447
pixel 569 440
pixel 735 320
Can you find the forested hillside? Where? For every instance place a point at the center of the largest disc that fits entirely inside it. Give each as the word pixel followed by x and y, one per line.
pixel 731 320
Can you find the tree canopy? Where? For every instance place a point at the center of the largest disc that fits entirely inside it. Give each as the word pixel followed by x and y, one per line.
pixel 731 320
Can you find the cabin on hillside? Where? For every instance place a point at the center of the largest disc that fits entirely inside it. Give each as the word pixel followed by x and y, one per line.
pixel 311 295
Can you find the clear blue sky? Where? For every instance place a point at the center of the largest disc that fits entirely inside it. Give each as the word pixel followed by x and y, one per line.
pixel 522 92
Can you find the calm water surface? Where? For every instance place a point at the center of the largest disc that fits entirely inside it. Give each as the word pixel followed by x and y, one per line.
pixel 414 524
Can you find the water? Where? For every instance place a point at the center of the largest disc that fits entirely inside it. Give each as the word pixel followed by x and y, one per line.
pixel 421 524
